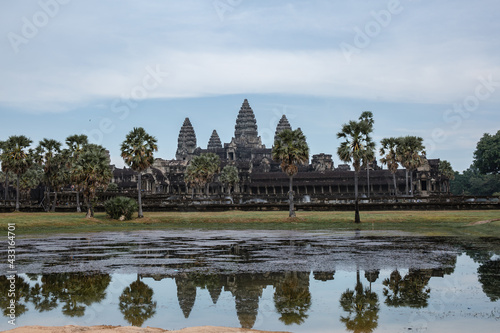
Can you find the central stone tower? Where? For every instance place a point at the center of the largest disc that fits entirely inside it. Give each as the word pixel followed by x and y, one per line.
pixel 186 144
pixel 245 131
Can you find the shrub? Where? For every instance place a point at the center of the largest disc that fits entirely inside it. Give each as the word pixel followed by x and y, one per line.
pixel 121 208
pixel 112 187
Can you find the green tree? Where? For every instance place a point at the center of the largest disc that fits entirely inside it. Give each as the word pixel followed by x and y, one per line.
pixel 487 154
pixel 16 158
pixel 31 178
pixel 5 178
pixel 137 151
pixel 411 155
pixel 472 182
pixel 202 169
pixel 390 158
pixel 50 156
pixel 229 177
pixel 447 173
pixel 92 168
pixel 354 149
pixel 5 168
pixel 76 144
pixel 367 116
pixel 291 150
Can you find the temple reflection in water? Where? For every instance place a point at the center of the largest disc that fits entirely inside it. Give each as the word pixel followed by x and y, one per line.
pixel 354 298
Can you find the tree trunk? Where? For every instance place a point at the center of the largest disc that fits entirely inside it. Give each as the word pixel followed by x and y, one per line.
pixel 139 195
pixel 53 209
pixel 368 180
pixel 395 184
pixel 356 200
pixel 406 181
pixel 89 208
pixel 290 198
pixel 17 194
pixel 78 209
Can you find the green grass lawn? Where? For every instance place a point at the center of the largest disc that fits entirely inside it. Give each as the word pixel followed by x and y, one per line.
pixel 430 223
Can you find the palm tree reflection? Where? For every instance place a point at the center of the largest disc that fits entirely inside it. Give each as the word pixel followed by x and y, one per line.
pixel 410 291
pixel 362 307
pixel 136 303
pixel 292 298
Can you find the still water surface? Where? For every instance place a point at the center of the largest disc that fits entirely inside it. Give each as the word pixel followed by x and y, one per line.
pixel 270 280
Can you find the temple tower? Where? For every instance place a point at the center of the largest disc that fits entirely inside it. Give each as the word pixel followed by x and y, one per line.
pixel 282 125
pixel 214 141
pixel 186 144
pixel 245 131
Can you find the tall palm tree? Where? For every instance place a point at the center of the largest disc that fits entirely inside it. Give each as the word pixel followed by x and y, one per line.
pixel 76 144
pixel 357 142
pixel 290 149
pixel 137 152
pixel 411 155
pixel 447 173
pixel 202 169
pixel 389 157
pixel 17 158
pixel 93 171
pixel 369 157
pixel 50 157
pixel 5 167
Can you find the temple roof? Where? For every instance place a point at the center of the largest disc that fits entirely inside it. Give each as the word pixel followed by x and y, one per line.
pixel 246 124
pixel 214 141
pixel 282 125
pixel 186 143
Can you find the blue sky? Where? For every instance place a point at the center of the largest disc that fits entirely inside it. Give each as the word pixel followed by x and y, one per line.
pixel 426 68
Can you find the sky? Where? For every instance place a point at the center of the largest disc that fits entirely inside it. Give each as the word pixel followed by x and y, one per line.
pixel 424 68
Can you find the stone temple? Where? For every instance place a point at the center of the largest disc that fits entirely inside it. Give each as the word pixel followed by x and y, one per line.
pixel 262 177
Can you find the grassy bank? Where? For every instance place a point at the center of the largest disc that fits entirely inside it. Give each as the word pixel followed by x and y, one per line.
pixel 431 223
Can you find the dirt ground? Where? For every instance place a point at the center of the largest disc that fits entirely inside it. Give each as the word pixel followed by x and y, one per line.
pixel 128 329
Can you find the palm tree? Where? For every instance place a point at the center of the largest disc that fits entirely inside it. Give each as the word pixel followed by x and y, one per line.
pixel 290 149
pixel 229 177
pixel 369 157
pixel 137 152
pixel 17 158
pixel 93 171
pixel 411 152
pixel 356 145
pixel 76 144
pixel 54 167
pixel 447 173
pixel 389 157
pixel 5 166
pixel 202 169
